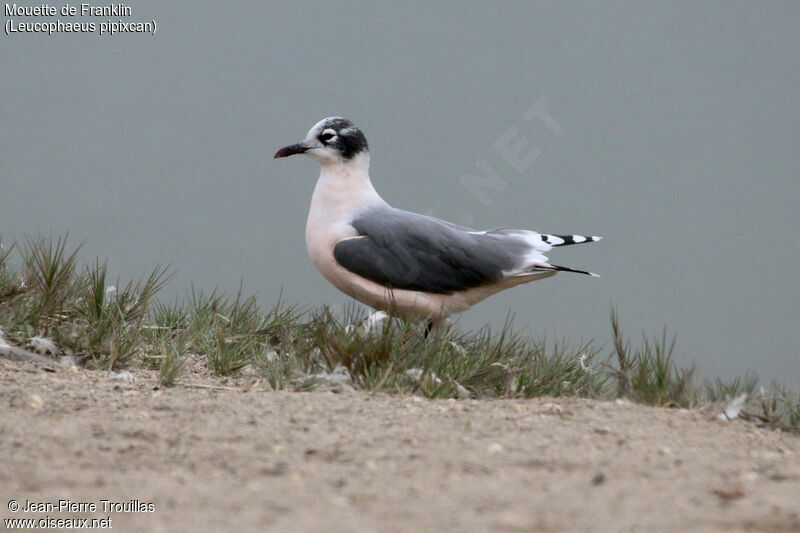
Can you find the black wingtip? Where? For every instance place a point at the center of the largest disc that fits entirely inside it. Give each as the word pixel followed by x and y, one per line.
pixel 559 268
pixel 566 240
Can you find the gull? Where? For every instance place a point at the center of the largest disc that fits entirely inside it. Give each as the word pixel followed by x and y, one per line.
pixel 409 265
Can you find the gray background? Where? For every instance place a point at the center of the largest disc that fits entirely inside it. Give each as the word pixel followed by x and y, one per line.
pixel 679 144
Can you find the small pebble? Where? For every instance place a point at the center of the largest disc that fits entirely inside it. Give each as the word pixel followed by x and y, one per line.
pixel 495 447
pixel 35 401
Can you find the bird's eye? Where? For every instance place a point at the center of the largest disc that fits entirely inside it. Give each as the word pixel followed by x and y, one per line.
pixel 325 137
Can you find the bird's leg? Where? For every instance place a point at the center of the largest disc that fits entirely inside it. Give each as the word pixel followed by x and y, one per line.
pixel 428 327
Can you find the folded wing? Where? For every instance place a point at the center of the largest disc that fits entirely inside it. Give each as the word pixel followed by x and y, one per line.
pixel 404 250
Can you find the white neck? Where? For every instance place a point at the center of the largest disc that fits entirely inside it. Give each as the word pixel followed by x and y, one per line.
pixel 343 189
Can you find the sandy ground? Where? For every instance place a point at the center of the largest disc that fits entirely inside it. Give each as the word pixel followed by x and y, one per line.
pixel 225 460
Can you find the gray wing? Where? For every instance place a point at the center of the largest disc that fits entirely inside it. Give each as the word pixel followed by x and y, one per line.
pixel 406 250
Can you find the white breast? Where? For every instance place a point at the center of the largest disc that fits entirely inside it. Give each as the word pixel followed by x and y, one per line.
pixel 342 191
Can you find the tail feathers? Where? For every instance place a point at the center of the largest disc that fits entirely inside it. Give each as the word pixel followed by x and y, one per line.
pixel 557 268
pixel 566 240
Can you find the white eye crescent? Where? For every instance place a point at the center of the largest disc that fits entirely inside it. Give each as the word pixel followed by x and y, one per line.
pixel 327 135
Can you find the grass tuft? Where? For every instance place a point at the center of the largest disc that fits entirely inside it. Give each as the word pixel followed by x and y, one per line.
pixel 47 300
pixel 725 390
pixel 776 407
pixel 648 374
pixel 49 273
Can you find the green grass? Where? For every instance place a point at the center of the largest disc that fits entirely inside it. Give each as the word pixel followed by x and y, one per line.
pixel 648 374
pixel 44 292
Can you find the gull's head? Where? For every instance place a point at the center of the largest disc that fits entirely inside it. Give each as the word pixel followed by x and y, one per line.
pixel 331 140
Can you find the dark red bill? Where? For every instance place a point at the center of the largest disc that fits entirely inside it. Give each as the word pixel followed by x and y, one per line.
pixel 292 149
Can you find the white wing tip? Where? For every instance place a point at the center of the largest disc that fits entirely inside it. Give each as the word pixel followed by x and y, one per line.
pixel 594 275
